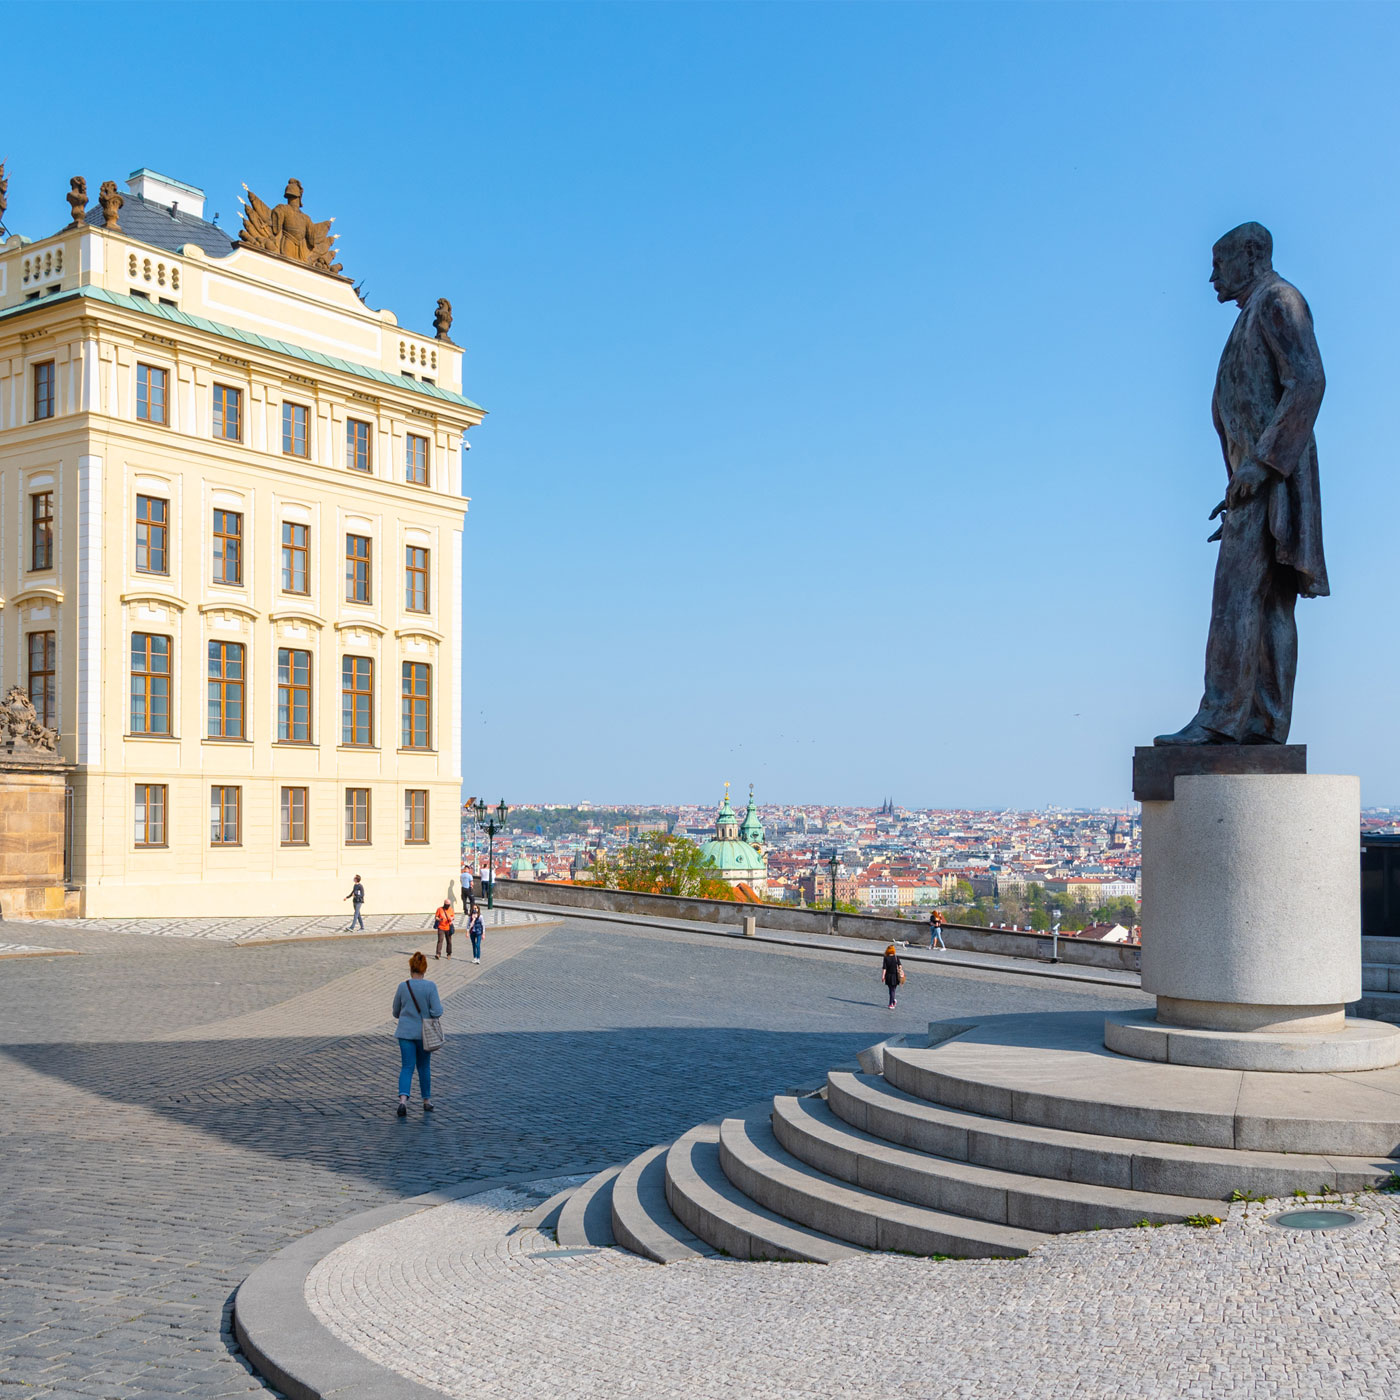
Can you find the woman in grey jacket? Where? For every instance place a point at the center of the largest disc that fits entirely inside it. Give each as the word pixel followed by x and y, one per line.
pixel 413 1000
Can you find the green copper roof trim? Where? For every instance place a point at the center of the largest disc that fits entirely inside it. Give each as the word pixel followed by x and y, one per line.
pixel 263 342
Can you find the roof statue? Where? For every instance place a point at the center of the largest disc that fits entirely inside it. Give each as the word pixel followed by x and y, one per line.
pixel 288 232
pixel 77 200
pixel 20 726
pixel 4 195
pixel 442 319
pixel 111 200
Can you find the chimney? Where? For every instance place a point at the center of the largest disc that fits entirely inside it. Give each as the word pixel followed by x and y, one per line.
pixel 161 189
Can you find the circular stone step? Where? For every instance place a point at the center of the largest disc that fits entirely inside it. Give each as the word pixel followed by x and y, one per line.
pixel 1362 1045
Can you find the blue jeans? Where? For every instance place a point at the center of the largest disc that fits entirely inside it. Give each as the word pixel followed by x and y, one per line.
pixel 357 917
pixel 412 1054
pixel 476 945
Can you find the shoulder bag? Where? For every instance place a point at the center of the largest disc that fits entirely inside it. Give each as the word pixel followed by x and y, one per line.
pixel 433 1035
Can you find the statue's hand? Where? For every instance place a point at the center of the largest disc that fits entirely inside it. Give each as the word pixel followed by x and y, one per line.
pixel 1211 539
pixel 1249 476
pixel 1219 510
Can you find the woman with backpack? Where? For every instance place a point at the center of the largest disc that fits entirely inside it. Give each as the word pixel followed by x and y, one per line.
pixel 891 972
pixel 418 1007
pixel 475 928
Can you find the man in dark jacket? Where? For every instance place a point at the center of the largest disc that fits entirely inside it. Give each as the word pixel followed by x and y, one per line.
pixel 1267 394
pixel 357 895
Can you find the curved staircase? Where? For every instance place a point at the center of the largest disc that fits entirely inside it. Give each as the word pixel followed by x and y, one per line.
pixel 982 1140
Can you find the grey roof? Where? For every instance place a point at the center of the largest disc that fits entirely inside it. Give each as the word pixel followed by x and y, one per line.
pixel 156 224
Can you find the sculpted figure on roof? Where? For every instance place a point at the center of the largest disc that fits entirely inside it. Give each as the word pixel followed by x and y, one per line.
pixel 77 198
pixel 111 200
pixel 4 195
pixel 442 319
pixel 288 231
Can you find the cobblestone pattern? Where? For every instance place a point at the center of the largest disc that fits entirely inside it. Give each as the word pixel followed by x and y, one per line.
pixel 151 1160
pixel 277 930
pixel 29 950
pixel 455 1301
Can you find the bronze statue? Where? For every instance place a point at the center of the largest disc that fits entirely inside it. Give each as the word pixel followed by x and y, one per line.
pixel 77 200
pixel 4 195
pixel 288 232
pixel 20 726
pixel 442 319
pixel 1267 394
pixel 111 201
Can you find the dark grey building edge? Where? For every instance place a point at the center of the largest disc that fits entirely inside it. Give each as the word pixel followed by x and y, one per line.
pixel 1156 769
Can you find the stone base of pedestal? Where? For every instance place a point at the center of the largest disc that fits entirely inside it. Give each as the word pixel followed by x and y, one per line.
pixel 31 837
pixel 1358 1045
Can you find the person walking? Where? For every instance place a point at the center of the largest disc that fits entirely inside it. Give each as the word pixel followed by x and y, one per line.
pixel 357 894
pixel 476 928
pixel 935 931
pixel 891 973
pixel 414 999
pixel 445 921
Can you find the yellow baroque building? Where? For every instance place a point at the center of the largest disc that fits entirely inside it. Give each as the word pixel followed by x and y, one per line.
pixel 231 559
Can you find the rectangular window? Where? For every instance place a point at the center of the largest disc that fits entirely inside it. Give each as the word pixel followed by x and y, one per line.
pixel 150 394
pixel 356 700
pixel 293 696
pixel 417 704
pixel 228 546
pixel 357 816
pixel 415 579
pixel 357 569
pixel 415 816
pixel 150 683
pixel 42 678
pixel 294 816
pixel 225 811
pixel 296 551
pixel 357 445
pixel 150 814
pixel 41 530
pixel 295 417
pixel 152 515
pixel 226 690
pixel 228 413
pixel 43 390
pixel 415 464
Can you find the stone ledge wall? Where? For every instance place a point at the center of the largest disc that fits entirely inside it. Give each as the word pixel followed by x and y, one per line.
pixel 31 841
pixel 967 937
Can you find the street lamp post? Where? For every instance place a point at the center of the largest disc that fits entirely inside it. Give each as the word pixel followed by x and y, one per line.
pixel 1055 936
pixel 833 865
pixel 493 821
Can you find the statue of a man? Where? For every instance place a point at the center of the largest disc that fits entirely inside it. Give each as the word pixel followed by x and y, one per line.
pixel 1267 394
pixel 293 230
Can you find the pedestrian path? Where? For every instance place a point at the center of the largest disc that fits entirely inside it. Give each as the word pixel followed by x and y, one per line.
pixel 866 947
pixel 1243 1308
pixel 244 931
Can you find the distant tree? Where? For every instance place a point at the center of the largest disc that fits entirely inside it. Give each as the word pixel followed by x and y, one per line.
pixel 659 864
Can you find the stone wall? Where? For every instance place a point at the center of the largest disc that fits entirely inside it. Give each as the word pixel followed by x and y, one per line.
pixel 877 928
pixel 31 841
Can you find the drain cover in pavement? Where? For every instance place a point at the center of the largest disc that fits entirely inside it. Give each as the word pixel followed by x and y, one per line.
pixel 1315 1219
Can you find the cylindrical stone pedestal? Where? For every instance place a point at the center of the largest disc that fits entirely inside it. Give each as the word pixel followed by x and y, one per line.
pixel 1251 902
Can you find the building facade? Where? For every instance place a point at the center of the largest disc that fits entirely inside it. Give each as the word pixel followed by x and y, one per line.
pixel 736 850
pixel 231 559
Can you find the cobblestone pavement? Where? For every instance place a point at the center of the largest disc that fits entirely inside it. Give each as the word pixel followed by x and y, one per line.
pixel 280 930
pixel 450 1299
pixel 30 950
pixel 178 1109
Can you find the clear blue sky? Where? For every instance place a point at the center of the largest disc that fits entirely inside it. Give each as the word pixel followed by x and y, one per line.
pixel 849 367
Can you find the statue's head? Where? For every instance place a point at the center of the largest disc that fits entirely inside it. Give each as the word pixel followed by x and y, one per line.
pixel 292 194
pixel 1239 259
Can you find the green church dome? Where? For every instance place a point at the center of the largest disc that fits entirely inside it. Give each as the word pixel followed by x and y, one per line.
pixel 733 855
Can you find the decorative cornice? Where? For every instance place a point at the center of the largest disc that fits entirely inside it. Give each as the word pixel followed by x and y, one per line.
pixel 164 599
pixel 419 632
pixel 252 614
pixel 38 593
pixel 295 615
pixel 344 625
